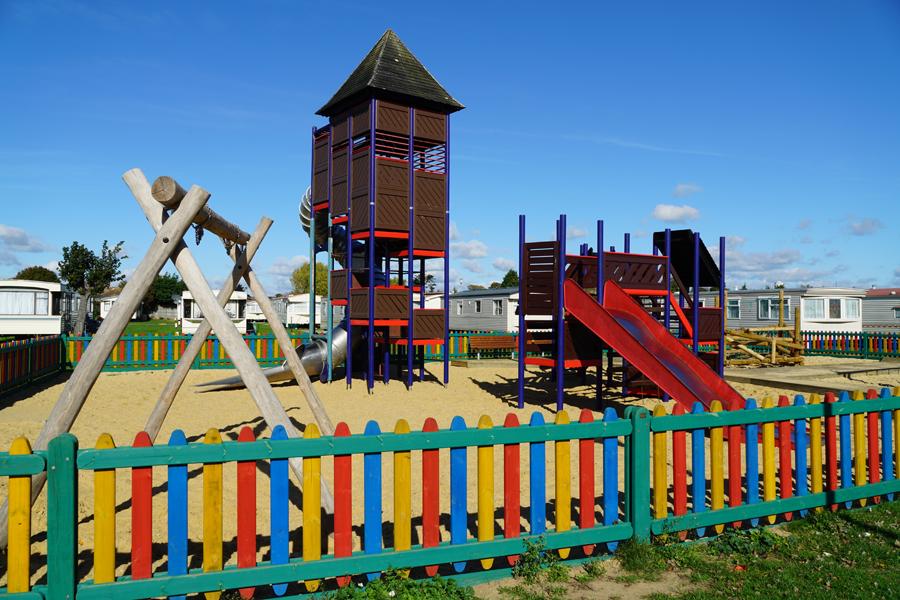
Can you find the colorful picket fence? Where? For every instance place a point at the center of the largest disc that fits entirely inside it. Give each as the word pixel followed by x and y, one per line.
pixel 854 344
pixel 25 361
pixel 152 352
pixel 765 462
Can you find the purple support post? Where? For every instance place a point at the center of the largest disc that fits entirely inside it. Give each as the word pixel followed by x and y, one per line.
pixel 420 351
pixel 721 361
pixel 695 300
pixel 560 314
pixel 370 342
pixel 386 353
pixel 349 258
pixel 667 299
pixel 447 254
pixel 600 282
pixel 409 247
pixel 627 244
pixel 521 339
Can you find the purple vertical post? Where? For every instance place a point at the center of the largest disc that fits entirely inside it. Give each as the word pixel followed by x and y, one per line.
pixel 600 282
pixel 695 300
pixel 447 253
pixel 370 342
pixel 626 246
pixel 721 361
pixel 560 314
pixel 349 258
pixel 409 247
pixel 667 299
pixel 420 351
pixel 522 292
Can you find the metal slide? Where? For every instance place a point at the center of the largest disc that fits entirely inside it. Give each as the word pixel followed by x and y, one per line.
pixel 642 341
pixel 313 354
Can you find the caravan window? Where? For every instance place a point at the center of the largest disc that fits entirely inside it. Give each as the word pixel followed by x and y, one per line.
pixel 734 308
pixel 24 302
pixel 831 309
pixel 768 309
pixel 498 308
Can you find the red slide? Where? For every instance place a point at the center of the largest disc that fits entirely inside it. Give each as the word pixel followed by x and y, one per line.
pixel 645 343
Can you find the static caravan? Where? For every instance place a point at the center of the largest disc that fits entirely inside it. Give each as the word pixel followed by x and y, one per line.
pixel 881 310
pixel 255 313
pixel 191 316
pixel 821 309
pixel 30 308
pixel 485 310
pixel 297 311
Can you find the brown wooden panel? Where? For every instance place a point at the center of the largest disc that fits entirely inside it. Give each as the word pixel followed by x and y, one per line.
pixel 320 187
pixel 389 303
pixel 359 212
pixel 429 231
pixel 360 171
pixel 339 180
pixel 428 323
pixel 580 342
pixel 339 197
pixel 339 287
pixel 710 323
pixel 391 211
pixel 339 131
pixel 392 176
pixel 360 119
pixel 539 278
pixel 636 271
pixel 393 118
pixel 431 125
pixel 430 191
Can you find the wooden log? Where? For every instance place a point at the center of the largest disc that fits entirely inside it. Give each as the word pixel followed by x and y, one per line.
pixel 764 338
pixel 167 192
pixel 248 368
pixel 751 352
pixel 176 379
pixel 76 389
pixel 284 340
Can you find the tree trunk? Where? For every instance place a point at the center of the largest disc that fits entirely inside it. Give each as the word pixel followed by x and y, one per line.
pixel 81 315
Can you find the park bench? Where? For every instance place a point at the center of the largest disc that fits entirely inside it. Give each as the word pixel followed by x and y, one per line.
pixel 492 342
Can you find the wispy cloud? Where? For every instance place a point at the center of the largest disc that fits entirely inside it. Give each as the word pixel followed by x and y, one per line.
pixel 503 264
pixel 470 249
pixel 574 232
pixel 280 270
pixel 804 224
pixel 683 190
pixel 472 266
pixel 673 213
pixel 866 226
pixel 14 239
pixel 454 232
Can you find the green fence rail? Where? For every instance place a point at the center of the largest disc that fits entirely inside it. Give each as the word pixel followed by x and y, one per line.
pixel 856 344
pixel 817 467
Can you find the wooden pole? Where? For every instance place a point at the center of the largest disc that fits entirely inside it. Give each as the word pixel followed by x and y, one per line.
pixel 260 390
pixel 173 385
pixel 284 340
pixel 797 339
pixel 781 307
pixel 79 385
pixel 167 192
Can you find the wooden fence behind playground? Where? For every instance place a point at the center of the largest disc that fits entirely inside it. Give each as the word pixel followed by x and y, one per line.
pixel 770 461
pixel 855 344
pixel 25 361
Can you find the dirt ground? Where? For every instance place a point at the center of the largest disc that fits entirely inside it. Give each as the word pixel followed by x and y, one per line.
pixel 120 403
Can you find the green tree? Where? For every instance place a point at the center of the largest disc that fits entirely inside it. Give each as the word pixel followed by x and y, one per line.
pixel 430 283
pixel 511 279
pixel 89 273
pixel 494 285
pixel 300 279
pixel 162 290
pixel 37 273
pixel 476 286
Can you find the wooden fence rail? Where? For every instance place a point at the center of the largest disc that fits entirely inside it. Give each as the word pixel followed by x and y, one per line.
pixel 829 453
pixel 852 344
pixel 25 361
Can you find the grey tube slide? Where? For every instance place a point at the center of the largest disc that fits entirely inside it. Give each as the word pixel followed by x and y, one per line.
pixel 314 354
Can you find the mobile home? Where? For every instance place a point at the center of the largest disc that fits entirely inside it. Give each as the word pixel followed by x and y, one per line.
pixel 191 316
pixel 36 308
pixel 821 309
pixel 881 310
pixel 485 310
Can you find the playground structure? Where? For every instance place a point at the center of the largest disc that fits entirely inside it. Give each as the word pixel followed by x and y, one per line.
pixel 643 307
pixel 171 211
pixel 379 208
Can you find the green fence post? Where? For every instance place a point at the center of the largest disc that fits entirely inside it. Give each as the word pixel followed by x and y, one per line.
pixel 637 473
pixel 62 517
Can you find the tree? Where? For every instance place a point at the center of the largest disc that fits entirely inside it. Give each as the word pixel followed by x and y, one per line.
pixel 37 273
pixel 162 290
pixel 494 285
pixel 476 286
pixel 430 283
pixel 89 274
pixel 300 279
pixel 511 279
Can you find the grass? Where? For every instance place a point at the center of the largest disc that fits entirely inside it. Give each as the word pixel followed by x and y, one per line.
pixel 847 554
pixel 393 585
pixel 153 327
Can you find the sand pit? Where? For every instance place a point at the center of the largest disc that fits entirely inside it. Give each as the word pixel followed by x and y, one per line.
pixel 120 403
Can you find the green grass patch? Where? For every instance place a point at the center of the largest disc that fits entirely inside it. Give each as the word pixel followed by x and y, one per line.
pixel 393 585
pixel 153 327
pixel 847 554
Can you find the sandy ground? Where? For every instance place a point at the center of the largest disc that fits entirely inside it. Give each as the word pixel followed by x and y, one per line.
pixel 120 403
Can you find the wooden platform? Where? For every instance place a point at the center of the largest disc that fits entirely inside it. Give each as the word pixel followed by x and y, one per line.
pixel 808 378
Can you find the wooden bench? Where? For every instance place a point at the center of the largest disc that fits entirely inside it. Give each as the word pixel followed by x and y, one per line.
pixel 492 342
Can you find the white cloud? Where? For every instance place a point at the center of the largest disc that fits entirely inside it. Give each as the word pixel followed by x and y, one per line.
pixel 53 265
pixel 472 266
pixel 897 276
pixel 279 272
pixel 7 258
pixel 804 224
pixel 758 269
pixel 673 213
pixel 575 232
pixel 503 264
pixel 866 226
pixel 735 241
pixel 470 249
pixel 454 232
pixel 19 240
pixel 683 190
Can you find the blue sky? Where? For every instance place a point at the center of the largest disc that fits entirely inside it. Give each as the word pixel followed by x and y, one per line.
pixel 772 123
